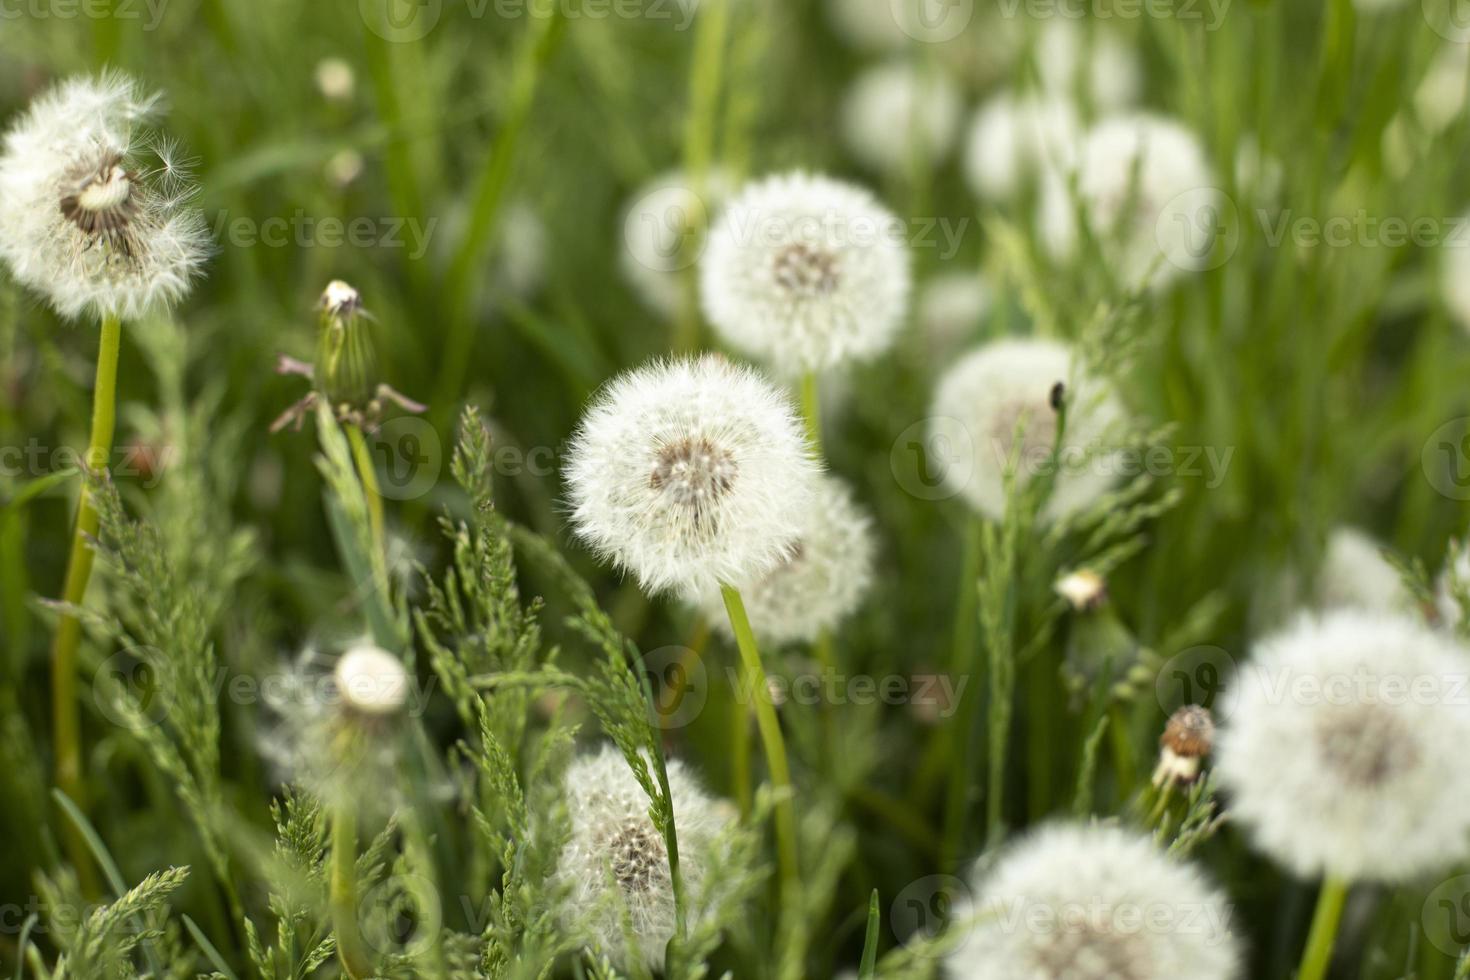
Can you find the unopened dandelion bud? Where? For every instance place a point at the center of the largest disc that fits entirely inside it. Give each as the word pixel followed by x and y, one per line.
pixel 1084 589
pixel 1188 737
pixel 346 363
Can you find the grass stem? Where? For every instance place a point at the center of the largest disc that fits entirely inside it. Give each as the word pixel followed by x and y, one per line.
pixel 342 896
pixel 1318 954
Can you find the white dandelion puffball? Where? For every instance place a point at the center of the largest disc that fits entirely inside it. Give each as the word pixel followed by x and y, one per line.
pixel 951 307
pixel 1149 196
pixel 1454 274
pixel 97 214
pixel 825 578
pixel 1105 64
pixel 983 398
pixel 891 25
pixel 371 681
pixel 1012 137
pixel 616 860
pixel 805 273
pixel 1090 902
pixel 1344 750
pixel 1355 575
pixel 663 233
pixel 897 115
pixel 691 474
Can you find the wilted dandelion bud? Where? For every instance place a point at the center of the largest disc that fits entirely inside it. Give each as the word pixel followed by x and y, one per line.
pixel 1344 751
pixel 1146 189
pixel 616 863
pixel 691 474
pixel 806 273
pixel 822 580
pixel 898 114
pixel 1083 589
pixel 335 79
pixel 664 230
pixel 346 364
pixel 1093 903
pixel 96 213
pixel 1187 739
pixel 1013 137
pixel 951 308
pixel 371 681
pixel 1006 386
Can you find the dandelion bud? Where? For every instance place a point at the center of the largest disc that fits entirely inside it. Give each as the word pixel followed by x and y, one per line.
pixel 346 364
pixel 1187 739
pixel 1084 589
pixel 371 681
pixel 97 213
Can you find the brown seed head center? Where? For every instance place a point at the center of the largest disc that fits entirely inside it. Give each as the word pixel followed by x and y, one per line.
pixel 806 270
pixel 695 473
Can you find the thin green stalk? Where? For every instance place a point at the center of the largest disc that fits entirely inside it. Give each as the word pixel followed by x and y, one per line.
pixel 953 748
pixel 343 896
pixel 811 410
pixel 366 471
pixel 706 79
pixel 66 717
pixel 1318 954
pixel 771 739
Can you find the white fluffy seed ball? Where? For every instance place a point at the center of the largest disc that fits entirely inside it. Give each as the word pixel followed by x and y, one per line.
pixel 1344 749
pixel 1105 64
pixel 1355 575
pixel 615 859
pixel 805 273
pixel 1148 193
pixel 690 474
pixel 823 581
pixel 1013 137
pixel 897 115
pixel 664 228
pixel 981 400
pixel 371 681
pixel 1093 903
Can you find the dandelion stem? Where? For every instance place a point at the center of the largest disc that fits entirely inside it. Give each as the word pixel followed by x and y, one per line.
pixel 811 408
pixel 343 895
pixel 770 729
pixel 66 719
pixel 706 78
pixel 369 476
pixel 1318 954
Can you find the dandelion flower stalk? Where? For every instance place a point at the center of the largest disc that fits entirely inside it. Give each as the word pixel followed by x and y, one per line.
pixel 811 409
pixel 770 730
pixel 1318 954
pixel 342 894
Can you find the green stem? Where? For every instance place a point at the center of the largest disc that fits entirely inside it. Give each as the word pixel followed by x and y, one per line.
pixel 343 896
pixel 771 739
pixel 65 714
pixel 811 410
pixel 706 79
pixel 368 473
pixel 1318 954
pixel 952 751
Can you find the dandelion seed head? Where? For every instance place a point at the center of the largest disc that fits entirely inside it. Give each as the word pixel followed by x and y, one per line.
pixel 805 273
pixel 371 681
pixel 898 113
pixel 615 859
pixel 690 474
pixel 824 578
pixel 1093 903
pixel 1355 575
pixel 97 211
pixel 1343 750
pixel 1014 137
pixel 1007 385
pixel 1105 64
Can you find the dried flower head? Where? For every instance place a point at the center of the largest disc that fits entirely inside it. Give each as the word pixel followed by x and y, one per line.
pixel 1343 749
pixel 691 474
pixel 664 230
pixel 1006 386
pixel 616 863
pixel 1093 903
pixel 897 115
pixel 1147 191
pixel 97 214
pixel 823 579
pixel 1188 737
pixel 1014 137
pixel 806 273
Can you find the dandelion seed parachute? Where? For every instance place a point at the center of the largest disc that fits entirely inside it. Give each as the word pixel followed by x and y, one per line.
pixel 825 578
pixel 691 474
pixel 983 397
pixel 97 214
pixel 1343 752
pixel 805 273
pixel 1014 136
pixel 898 114
pixel 616 859
pixel 1093 903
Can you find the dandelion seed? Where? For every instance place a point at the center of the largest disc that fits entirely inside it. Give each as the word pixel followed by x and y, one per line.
pixel 987 394
pixel 691 474
pixel 97 214
pixel 897 114
pixel 821 582
pixel 805 273
pixel 1343 753
pixel 1093 903
pixel 616 861
pixel 1147 191
pixel 1015 136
